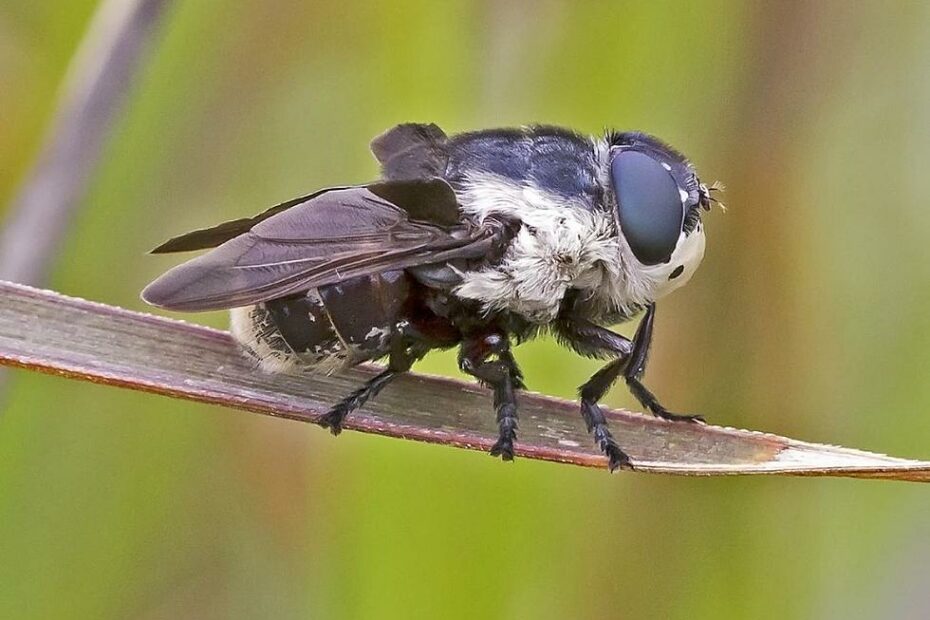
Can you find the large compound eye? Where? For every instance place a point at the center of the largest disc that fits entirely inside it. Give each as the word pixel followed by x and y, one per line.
pixel 649 206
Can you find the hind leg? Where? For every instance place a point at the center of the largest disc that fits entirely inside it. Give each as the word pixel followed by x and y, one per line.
pixel 399 362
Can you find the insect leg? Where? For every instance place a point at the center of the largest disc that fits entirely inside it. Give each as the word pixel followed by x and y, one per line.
pixel 637 366
pixel 591 392
pixel 399 362
pixel 595 341
pixel 502 375
pixel 630 363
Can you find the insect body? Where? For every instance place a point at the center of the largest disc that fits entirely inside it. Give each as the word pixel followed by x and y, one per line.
pixel 476 240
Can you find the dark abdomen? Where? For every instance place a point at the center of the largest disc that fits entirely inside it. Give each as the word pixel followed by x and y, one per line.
pixel 325 329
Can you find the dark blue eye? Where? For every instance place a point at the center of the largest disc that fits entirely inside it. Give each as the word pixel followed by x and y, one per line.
pixel 648 204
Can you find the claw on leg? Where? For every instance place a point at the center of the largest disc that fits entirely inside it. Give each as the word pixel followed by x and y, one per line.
pixel 333 420
pixel 677 417
pixel 502 448
pixel 617 459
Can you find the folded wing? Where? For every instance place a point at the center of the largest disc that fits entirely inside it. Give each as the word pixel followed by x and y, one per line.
pixel 329 237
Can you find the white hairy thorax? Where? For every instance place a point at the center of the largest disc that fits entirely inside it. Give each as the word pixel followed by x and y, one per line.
pixel 563 246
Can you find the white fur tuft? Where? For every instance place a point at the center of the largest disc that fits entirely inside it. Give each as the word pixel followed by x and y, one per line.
pixel 253 328
pixel 248 332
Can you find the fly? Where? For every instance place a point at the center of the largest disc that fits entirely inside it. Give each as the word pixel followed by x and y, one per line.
pixel 479 241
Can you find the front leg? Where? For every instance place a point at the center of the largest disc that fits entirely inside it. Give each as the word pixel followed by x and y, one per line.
pixel 637 366
pixel 502 375
pixel 629 362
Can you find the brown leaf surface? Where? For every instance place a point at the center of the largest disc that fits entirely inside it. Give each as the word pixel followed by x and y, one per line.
pixel 48 332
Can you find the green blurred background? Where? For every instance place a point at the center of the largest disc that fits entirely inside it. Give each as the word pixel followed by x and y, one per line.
pixel 809 318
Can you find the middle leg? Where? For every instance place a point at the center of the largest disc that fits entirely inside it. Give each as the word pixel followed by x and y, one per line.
pixel 592 340
pixel 502 376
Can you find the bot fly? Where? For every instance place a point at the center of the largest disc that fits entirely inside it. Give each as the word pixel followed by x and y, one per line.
pixel 478 240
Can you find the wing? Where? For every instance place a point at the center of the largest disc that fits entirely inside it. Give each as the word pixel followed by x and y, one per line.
pixel 412 151
pixel 333 236
pixel 215 235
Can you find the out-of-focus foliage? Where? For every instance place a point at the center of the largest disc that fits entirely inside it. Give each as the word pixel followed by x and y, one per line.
pixel 808 318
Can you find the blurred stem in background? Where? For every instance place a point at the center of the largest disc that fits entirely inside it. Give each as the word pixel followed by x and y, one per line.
pixel 91 97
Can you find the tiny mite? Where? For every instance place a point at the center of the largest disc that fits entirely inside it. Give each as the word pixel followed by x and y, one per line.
pixel 476 240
